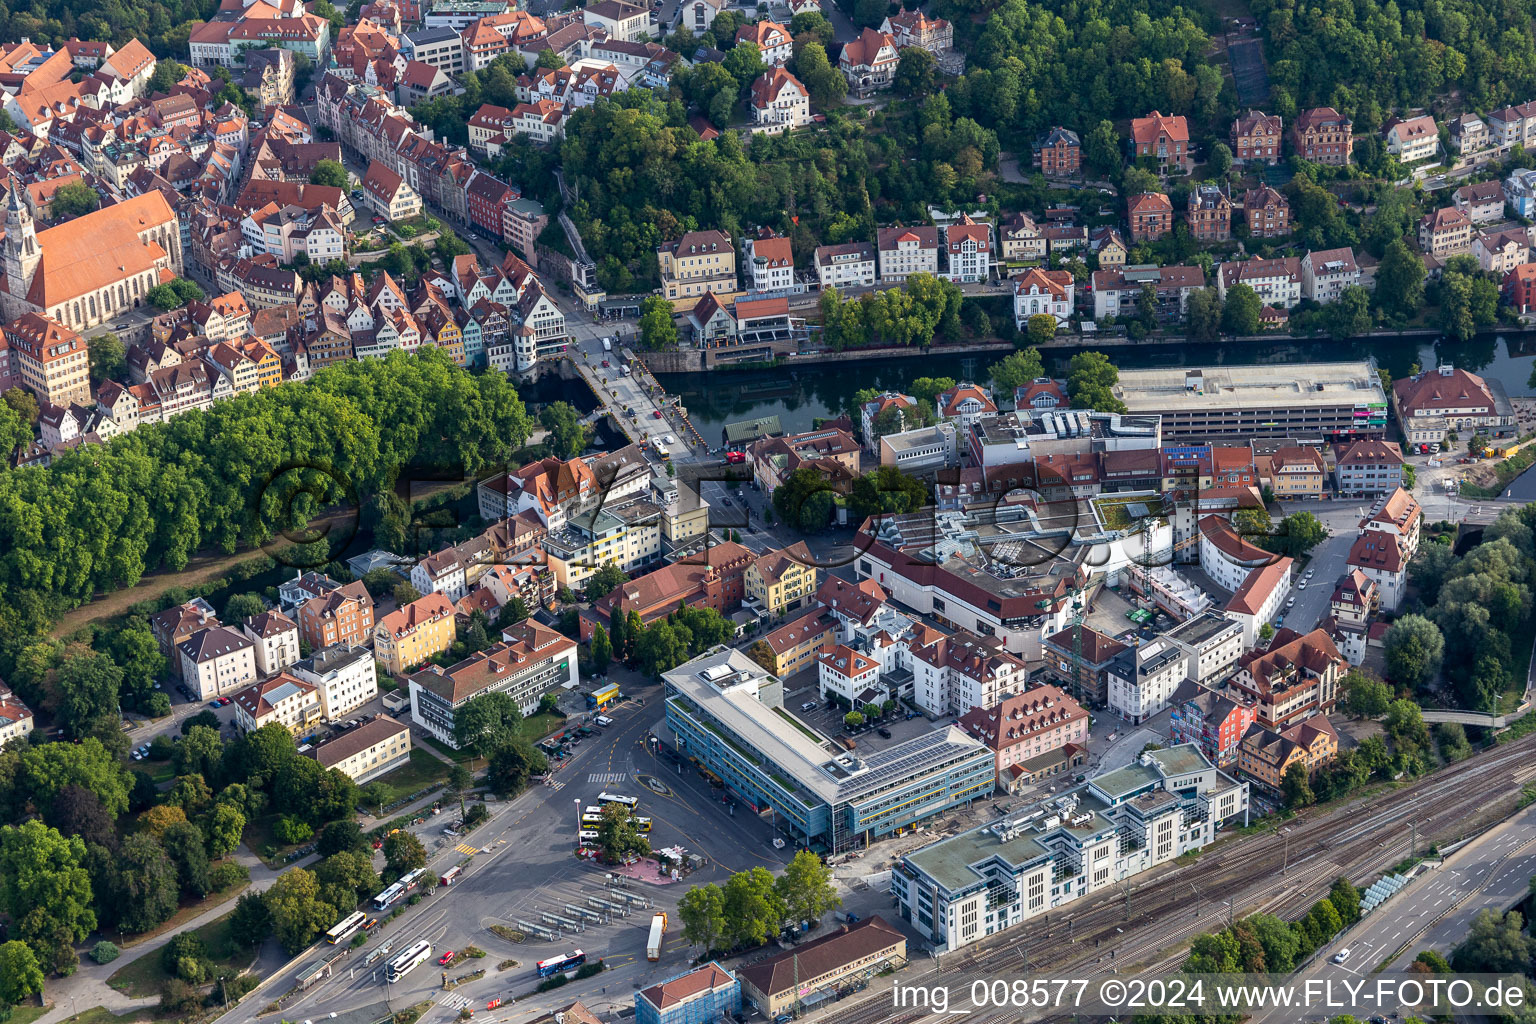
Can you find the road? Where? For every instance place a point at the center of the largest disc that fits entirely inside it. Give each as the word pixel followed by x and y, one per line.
pixel 1435 910
pixel 1147 925
pixel 529 870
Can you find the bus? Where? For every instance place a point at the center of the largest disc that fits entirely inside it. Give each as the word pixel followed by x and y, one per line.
pixel 587 835
pixel 614 798
pixel 595 809
pixel 391 895
pixel 556 964
pixel 408 961
pixel 642 824
pixel 345 928
pixel 592 819
pixel 411 879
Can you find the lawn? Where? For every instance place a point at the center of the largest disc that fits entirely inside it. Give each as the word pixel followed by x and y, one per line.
pixel 27 1013
pixel 185 913
pixel 422 771
pixel 263 842
pixel 540 724
pixel 99 1015
pixel 143 977
pixel 461 756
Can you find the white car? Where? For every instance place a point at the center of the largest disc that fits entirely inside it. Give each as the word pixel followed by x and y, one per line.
pixel 1302 585
pixel 1341 955
pixel 668 439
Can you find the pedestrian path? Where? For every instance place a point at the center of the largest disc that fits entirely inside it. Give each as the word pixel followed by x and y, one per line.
pixel 452 1000
pixel 466 849
pixel 604 778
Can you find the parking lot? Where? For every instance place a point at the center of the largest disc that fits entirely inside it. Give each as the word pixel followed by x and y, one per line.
pixel 827 717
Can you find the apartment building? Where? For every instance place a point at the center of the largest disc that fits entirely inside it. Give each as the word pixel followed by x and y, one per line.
pixel 782 581
pixel 343 614
pixel 1368 468
pixel 1150 215
pixel 345 678
pixel 906 251
pixel 847 265
pixel 699 262
pixel 410 635
pixel 1292 679
pixel 1265 756
pixel 276 640
pixel 1256 138
pixel 1059 153
pixel 366 751
pixel 284 699
pixel 1033 735
pixel 528 662
pixel 1412 139
pixel 1268 212
pixel 217 661
pixel 51 360
pixel 1163 139
pixel 1209 213
pixel 1324 136
pixel 1325 273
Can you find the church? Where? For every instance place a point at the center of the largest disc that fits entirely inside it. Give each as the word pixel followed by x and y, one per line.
pixel 88 270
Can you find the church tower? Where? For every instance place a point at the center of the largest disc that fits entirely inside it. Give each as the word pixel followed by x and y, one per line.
pixel 20 255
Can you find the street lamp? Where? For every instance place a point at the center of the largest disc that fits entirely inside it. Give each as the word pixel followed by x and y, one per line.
pixel 578 813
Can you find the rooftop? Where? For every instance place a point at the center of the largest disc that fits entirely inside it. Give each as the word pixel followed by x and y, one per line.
pixel 1251 387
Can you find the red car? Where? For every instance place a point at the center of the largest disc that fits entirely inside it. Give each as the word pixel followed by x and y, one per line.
pixel 445 959
pixel 656 414
pixel 605 364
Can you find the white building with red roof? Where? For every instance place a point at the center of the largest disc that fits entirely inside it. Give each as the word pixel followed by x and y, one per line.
pixel 905 251
pixel 772 40
pixel 844 672
pixel 964 404
pixel 1039 292
pixel 1444 399
pixel 769 262
pixel 968 250
pixel 869 62
pixel 779 102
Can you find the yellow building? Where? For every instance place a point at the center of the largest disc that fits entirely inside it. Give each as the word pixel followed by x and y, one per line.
pixel 794 646
pixel 368 750
pixel 1296 473
pixel 409 636
pixel 1265 756
pixel 287 700
pixel 699 262
pixel 269 365
pixel 781 581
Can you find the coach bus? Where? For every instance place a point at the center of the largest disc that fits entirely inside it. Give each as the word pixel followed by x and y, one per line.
pixel 408 961
pixel 557 964
pixel 345 928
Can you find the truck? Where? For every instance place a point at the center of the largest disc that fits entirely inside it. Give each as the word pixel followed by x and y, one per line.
pixel 607 344
pixel 658 930
pixel 597 698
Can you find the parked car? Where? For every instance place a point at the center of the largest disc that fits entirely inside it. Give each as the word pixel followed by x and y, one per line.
pixel 445 959
pixel 809 705
pixel 884 732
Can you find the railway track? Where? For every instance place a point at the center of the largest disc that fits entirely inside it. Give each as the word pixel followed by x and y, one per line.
pixel 1147 925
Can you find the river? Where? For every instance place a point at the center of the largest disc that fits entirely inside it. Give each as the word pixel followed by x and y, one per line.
pixel 800 396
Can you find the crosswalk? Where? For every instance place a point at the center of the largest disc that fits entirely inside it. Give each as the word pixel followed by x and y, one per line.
pixel 466 849
pixel 452 1000
pixel 603 778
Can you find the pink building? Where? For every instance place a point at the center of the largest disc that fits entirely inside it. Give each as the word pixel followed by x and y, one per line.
pixel 1034 734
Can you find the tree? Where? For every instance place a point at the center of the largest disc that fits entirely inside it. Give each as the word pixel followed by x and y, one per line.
pixel 753 909
pixel 1296 786
pixel 658 330
pixel 1204 318
pixel 1452 739
pixel 200 752
pixel 251 920
pixel 549 60
pixel 298 913
pixel 1349 315
pixel 806 888
pixel 567 434
pixel 404 593
pixel 1404 725
pixel 23 404
pixel 341 836
pixel 1101 149
pixel 1299 533
pixel 184 844
pixel 1090 380
pixel 853 719
pixel 1364 695
pixel 1041 327
pixel 887 491
pixel 109 359
pixel 347 877
pixel 619 835
pixel 1414 648
pixel 76 811
pixel 1399 279
pixel 1220 161
pixel 46 890
pixel 1495 944
pixel 744 62
pixel 917 73
pixel 167 73
pixel 87 686
pixel 73 200
pixel 660 648
pixel 20 974
pixel 329 172
pixel 702 911
pixel 825 84
pixel 1240 314
pixel 601 650
pixel 403 852
pixel 173 294
pixel 223 826
pixel 143 890
pixel 512 764
pixel 604 580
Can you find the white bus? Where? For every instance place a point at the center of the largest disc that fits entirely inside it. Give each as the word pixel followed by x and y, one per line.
pixel 592 819
pixel 406 962
pixel 587 835
pixel 596 810
pixel 345 928
pixel 391 895
pixel 614 798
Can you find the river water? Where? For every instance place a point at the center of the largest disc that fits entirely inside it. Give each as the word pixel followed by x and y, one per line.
pixel 801 395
